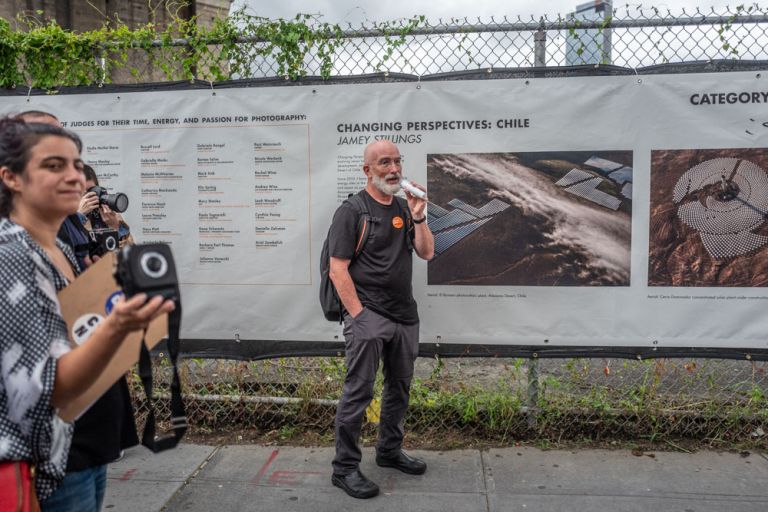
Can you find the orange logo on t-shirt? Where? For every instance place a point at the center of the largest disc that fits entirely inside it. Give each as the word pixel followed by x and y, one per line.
pixel 397 222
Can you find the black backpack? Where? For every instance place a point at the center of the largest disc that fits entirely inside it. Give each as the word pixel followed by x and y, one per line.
pixel 329 299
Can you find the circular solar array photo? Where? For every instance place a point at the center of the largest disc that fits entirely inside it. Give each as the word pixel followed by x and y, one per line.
pixel 726 225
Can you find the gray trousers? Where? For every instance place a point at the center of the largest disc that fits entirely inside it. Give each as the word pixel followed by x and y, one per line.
pixel 369 338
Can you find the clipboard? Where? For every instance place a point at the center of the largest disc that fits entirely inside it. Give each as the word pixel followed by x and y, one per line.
pixel 83 306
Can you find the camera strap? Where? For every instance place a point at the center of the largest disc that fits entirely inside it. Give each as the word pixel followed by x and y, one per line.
pixel 178 415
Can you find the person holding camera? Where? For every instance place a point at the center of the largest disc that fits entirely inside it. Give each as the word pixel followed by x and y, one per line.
pixel 41 183
pixel 95 228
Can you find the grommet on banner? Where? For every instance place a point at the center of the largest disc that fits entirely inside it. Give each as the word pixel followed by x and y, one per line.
pixel 418 82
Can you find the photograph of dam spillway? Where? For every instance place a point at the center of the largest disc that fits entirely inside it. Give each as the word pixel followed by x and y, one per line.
pixel 558 218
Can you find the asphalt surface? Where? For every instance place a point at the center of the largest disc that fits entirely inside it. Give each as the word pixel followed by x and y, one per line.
pixel 194 478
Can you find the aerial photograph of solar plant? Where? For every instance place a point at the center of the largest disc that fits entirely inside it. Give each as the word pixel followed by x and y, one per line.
pixel 708 218
pixel 559 218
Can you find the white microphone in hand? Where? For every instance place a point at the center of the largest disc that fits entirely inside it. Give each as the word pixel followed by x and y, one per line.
pixel 407 185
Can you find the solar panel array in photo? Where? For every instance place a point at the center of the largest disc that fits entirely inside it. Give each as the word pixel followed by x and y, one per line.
pixel 450 227
pixel 623 175
pixel 602 164
pixel 588 190
pixel 435 211
pixel 450 237
pixel 726 227
pixel 491 208
pixel 451 219
pixel 573 176
pixel 584 184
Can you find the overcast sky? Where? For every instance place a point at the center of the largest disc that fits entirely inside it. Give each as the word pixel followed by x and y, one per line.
pixel 360 11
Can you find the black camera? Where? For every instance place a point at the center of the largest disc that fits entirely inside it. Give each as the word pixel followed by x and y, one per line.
pixel 147 268
pixel 117 202
pixel 103 241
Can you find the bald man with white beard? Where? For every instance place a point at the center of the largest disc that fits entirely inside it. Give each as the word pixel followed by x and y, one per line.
pixel 381 320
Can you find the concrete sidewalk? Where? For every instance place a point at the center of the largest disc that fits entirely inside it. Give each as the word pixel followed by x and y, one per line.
pixel 196 478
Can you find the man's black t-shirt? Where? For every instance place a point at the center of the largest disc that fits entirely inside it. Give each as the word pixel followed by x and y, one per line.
pixel 382 272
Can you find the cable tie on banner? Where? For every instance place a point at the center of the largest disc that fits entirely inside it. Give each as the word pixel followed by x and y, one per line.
pixel 29 92
pixel 418 82
pixel 213 93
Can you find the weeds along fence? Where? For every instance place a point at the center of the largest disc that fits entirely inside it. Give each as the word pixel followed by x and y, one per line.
pixel 492 400
pixel 460 402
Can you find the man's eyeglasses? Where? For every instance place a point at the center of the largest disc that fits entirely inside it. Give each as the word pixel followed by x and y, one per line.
pixel 386 162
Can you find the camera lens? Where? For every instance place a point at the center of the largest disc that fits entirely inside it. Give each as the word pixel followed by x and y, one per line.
pixel 153 264
pixel 110 243
pixel 117 202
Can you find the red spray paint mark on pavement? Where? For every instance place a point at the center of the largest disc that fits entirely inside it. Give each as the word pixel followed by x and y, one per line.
pixel 265 467
pixel 127 475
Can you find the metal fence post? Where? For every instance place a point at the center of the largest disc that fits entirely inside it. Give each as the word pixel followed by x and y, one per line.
pixel 533 391
pixel 540 47
pixel 101 60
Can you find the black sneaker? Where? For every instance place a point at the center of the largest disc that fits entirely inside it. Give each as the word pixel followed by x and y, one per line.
pixel 403 462
pixel 356 485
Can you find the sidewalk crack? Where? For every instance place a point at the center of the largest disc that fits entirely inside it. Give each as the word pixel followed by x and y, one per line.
pixel 489 484
pixel 191 477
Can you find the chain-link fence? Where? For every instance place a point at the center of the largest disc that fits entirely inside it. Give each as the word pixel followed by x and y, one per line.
pixel 629 42
pixel 469 401
pixel 636 40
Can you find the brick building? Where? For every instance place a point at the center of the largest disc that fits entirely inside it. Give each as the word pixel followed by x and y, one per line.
pixel 84 15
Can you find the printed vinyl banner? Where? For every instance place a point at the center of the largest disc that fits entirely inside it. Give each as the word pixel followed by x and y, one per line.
pixel 590 211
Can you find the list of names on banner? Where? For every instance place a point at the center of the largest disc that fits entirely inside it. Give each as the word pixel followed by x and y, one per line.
pixel 241 192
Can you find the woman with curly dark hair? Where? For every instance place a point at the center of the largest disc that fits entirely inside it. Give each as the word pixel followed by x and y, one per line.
pixel 41 182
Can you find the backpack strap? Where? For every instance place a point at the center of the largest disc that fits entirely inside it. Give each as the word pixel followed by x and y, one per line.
pixel 364 221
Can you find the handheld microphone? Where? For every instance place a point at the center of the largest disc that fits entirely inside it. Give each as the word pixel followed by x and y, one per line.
pixel 407 185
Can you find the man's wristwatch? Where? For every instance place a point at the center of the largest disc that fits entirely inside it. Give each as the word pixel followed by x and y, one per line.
pixel 419 221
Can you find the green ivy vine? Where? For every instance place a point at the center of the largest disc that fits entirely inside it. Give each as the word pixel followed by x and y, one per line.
pixel 44 55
